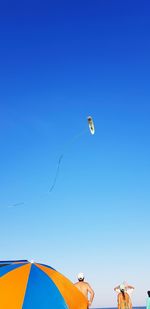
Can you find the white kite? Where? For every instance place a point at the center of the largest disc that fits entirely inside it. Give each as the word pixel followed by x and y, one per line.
pixel 92 130
pixel 91 125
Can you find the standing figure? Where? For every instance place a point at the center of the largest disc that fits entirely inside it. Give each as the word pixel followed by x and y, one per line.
pixel 124 300
pixel 148 300
pixel 84 288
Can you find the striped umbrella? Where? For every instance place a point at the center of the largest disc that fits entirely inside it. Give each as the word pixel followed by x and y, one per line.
pixel 25 285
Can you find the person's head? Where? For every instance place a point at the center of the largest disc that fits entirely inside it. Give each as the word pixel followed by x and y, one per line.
pixel 122 287
pixel 122 290
pixel 80 277
pixel 148 292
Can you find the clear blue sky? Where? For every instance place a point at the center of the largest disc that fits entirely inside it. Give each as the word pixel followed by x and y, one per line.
pixel 61 61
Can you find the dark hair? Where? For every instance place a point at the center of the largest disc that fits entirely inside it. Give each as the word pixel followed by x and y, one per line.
pixel 80 280
pixel 123 294
pixel 148 292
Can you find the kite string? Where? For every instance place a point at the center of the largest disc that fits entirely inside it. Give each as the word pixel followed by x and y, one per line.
pixel 76 137
pixel 57 172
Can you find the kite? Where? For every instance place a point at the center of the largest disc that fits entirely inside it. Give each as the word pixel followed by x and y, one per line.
pixel 91 125
pixel 92 130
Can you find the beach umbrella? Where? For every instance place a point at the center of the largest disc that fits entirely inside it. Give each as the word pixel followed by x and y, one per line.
pixel 28 285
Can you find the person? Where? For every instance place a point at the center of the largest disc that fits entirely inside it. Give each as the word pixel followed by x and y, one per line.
pixel 148 300
pixel 124 301
pixel 128 288
pixel 85 288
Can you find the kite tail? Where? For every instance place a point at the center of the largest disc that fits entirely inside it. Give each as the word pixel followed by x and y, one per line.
pixel 57 172
pixel 76 137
